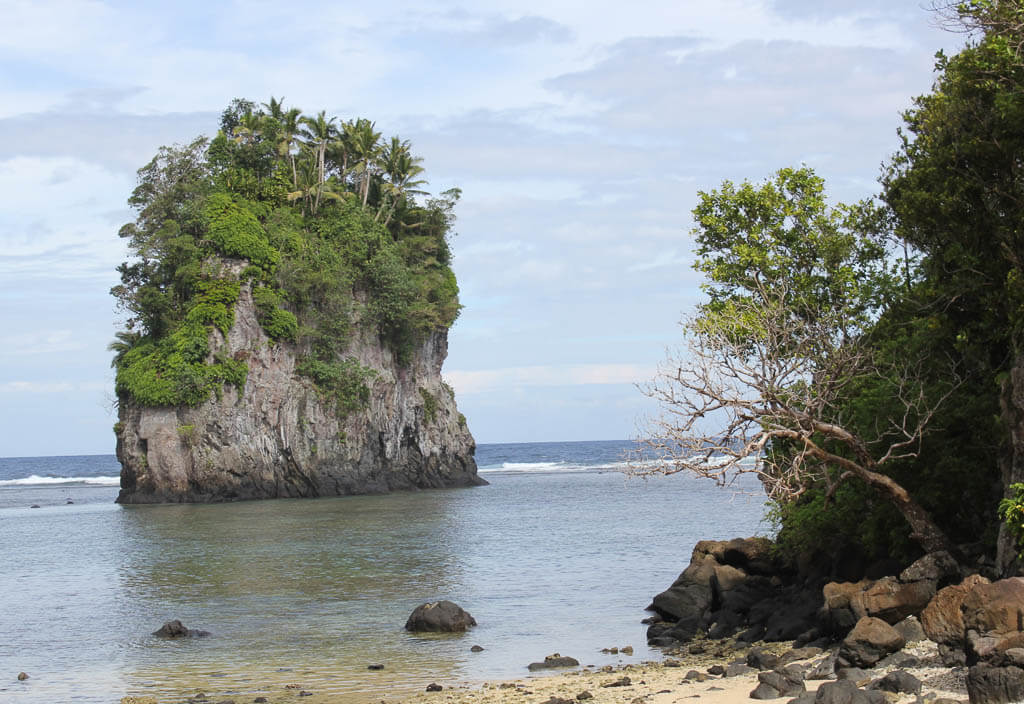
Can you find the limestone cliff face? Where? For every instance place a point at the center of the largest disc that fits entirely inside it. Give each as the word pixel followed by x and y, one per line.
pixel 277 438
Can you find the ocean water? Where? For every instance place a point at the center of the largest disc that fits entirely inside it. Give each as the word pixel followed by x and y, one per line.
pixel 560 553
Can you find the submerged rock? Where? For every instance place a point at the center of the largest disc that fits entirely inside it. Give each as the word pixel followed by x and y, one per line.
pixel 176 629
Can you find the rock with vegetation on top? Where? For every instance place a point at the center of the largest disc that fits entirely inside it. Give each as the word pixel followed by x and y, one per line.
pixel 287 320
pixel 439 617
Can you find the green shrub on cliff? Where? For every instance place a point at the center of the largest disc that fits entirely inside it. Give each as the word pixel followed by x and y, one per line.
pixel 326 219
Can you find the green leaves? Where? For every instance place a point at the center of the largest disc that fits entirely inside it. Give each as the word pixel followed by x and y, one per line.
pixel 236 232
pixel 780 238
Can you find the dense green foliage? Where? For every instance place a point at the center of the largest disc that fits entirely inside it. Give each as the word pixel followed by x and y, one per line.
pixel 955 196
pixel 318 219
pixel 1011 510
pixel 862 354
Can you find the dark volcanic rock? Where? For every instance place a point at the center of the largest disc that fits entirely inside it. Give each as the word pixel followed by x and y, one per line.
pixel 911 630
pixel 439 617
pixel 434 687
pixel 898 682
pixel 995 685
pixel 736 669
pixel 869 641
pixel 778 683
pixel 939 567
pixel 553 661
pixel 892 601
pixel 762 660
pixel 176 629
pixel 846 692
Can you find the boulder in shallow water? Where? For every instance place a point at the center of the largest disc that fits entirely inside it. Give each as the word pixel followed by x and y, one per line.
pixel 176 629
pixel 439 617
pixel 552 662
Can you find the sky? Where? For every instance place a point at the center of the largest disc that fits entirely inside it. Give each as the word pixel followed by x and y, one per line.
pixel 579 133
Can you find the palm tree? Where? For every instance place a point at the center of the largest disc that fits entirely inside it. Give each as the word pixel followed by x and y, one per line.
pixel 249 128
pixel 365 144
pixel 275 108
pixel 126 339
pixel 401 169
pixel 318 133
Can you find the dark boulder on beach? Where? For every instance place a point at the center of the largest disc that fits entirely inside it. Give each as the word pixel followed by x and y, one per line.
pixel 439 617
pixel 176 629
pixel 869 641
pixel 987 684
pixel 898 682
pixel 787 682
pixel 846 692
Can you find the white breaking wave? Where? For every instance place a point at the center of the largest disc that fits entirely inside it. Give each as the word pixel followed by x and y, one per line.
pixel 36 480
pixel 524 467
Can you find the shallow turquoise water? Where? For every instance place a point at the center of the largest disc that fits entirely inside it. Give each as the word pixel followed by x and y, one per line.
pixel 312 591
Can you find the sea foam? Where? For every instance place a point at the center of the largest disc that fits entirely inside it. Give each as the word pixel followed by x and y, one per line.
pixel 36 480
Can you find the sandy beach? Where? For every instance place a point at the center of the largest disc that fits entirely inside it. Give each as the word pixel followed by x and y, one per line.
pixel 672 681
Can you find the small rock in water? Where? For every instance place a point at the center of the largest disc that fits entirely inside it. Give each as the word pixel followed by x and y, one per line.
pixel 176 629
pixel 260 700
pixel 70 502
pixel 34 506
pixel 628 650
pixel 22 676
pixel 434 687
pixel 477 649
pixel 375 667
pixel 610 651
pixel 553 661
pixel 304 693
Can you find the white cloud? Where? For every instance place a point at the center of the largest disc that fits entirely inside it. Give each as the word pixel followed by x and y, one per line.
pixel 39 343
pixel 52 387
pixel 56 218
pixel 490 380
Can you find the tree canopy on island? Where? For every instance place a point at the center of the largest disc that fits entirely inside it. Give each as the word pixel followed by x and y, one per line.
pixel 326 222
pixel 859 358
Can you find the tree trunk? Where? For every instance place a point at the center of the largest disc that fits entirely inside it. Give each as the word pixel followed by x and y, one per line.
pixel 1012 463
pixel 923 530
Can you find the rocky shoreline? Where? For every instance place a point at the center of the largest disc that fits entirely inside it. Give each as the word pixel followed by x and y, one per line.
pixel 738 625
pixel 725 672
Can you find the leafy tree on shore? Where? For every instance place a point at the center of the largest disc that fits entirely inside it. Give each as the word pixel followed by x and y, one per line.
pixel 775 356
pixel 917 374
